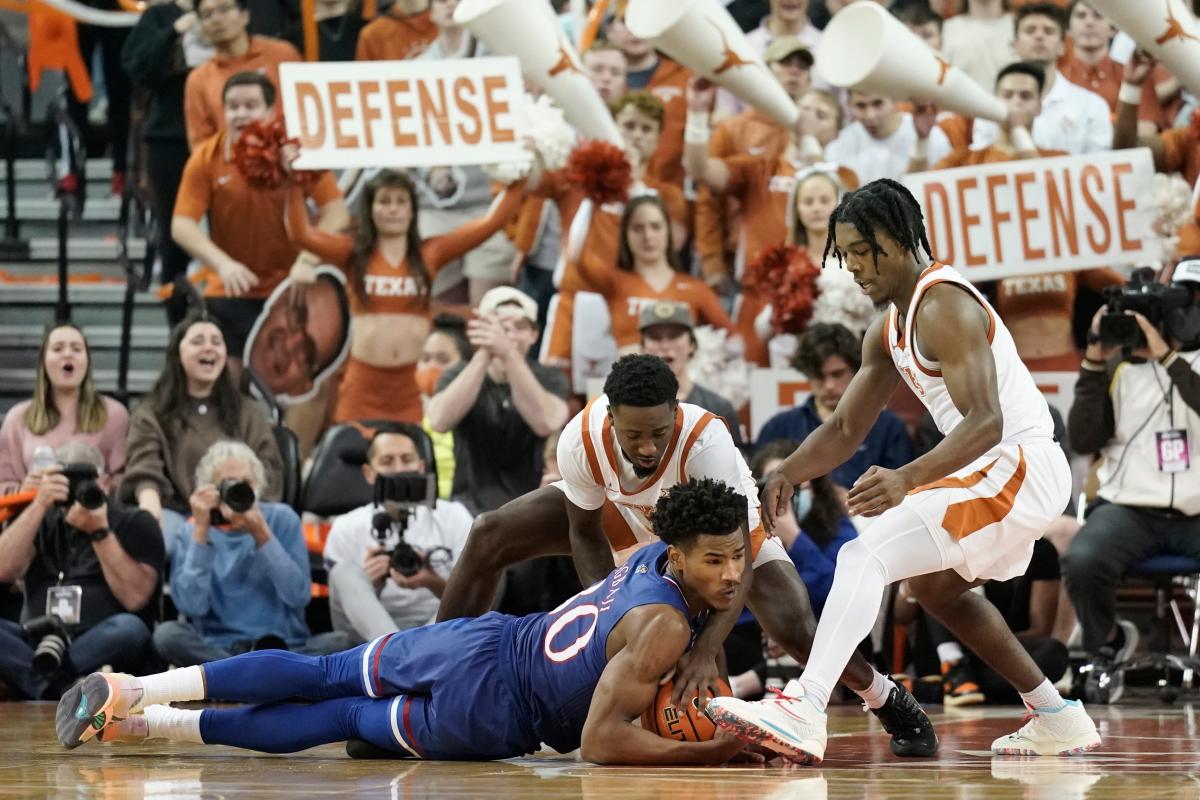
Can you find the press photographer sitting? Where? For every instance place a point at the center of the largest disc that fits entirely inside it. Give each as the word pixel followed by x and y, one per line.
pixel 91 569
pixel 1137 404
pixel 239 570
pixel 369 596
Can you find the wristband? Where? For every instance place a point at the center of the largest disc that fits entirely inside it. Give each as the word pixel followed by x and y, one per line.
pixel 1093 366
pixel 1168 358
pixel 1130 93
pixel 99 534
pixel 1022 142
pixel 696 130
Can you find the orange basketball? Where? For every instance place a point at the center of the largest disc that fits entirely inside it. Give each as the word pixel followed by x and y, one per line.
pixel 687 724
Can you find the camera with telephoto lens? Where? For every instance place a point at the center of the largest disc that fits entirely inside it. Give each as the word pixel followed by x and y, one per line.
pixel 400 493
pixel 1154 300
pixel 238 495
pixel 83 486
pixel 50 635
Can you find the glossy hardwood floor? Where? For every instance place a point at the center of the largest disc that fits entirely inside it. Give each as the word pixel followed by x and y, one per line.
pixel 1150 751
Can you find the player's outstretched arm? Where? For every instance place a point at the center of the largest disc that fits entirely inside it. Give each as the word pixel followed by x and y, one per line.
pixel 589 546
pixel 655 637
pixel 952 328
pixel 837 439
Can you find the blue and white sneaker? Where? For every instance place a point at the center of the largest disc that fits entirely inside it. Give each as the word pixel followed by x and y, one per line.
pixel 1066 731
pixel 788 724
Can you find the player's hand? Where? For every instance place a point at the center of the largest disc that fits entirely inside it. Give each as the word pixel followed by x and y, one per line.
pixel 237 278
pixel 776 499
pixel 701 95
pixel 696 675
pixel 877 490
pixel 375 564
pixel 1156 346
pixel 726 748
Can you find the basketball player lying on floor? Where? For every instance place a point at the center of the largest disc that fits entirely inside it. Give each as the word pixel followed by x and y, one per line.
pixel 966 512
pixel 616 457
pixel 485 688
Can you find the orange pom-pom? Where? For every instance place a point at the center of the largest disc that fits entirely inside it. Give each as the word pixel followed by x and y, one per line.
pixel 788 279
pixel 256 154
pixel 601 171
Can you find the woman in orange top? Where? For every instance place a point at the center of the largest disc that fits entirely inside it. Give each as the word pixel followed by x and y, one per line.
pixel 389 270
pixel 648 270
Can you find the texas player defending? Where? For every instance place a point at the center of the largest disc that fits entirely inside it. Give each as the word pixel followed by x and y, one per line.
pixel 617 457
pixel 964 513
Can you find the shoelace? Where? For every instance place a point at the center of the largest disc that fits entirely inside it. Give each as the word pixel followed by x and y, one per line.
pixel 779 695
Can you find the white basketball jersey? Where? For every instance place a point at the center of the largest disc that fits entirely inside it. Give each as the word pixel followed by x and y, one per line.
pixel 1026 415
pixel 696 431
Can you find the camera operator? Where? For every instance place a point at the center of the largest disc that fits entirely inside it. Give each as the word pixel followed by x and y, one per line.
pixel 368 596
pixel 1139 408
pixel 91 568
pixel 240 569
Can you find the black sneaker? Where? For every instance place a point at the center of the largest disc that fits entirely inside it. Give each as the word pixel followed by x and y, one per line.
pixel 361 748
pixel 912 732
pixel 1103 683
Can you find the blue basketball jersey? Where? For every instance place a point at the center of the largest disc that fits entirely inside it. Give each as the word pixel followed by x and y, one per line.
pixel 560 656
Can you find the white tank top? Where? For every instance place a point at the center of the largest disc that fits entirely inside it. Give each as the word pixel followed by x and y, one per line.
pixel 1026 415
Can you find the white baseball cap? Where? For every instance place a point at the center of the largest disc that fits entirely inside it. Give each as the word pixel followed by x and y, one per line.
pixel 525 306
pixel 1187 270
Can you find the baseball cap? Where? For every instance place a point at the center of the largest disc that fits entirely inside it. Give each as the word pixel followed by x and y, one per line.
pixel 491 302
pixel 1188 269
pixel 784 46
pixel 665 313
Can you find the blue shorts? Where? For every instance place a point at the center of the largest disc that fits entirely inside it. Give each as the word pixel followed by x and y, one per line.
pixel 454 695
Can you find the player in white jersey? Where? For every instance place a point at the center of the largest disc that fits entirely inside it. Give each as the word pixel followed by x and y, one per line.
pixel 616 458
pixel 965 512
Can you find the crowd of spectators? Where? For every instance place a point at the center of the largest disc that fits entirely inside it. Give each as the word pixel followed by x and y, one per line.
pixel 465 298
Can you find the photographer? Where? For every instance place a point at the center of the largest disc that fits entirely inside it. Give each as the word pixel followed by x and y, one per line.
pixel 239 569
pixel 91 568
pixel 1137 404
pixel 368 596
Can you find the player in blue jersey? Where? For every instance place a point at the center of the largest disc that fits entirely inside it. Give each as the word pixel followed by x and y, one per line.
pixel 492 687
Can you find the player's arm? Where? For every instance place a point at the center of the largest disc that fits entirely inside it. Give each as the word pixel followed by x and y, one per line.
pixel 585 507
pixel 656 636
pixel 836 440
pixel 951 328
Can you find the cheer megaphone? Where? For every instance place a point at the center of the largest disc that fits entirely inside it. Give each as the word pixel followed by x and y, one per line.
pixel 1164 28
pixel 702 36
pixel 864 47
pixel 531 32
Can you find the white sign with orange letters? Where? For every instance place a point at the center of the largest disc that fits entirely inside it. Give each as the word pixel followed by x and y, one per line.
pixel 1041 215
pixel 404 113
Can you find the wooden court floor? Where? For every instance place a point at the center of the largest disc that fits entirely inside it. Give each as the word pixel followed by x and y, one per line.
pixel 1149 752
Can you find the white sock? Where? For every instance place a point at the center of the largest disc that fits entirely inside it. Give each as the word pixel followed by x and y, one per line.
pixel 1044 696
pixel 813 690
pixel 177 685
pixel 877 693
pixel 178 724
pixel 949 652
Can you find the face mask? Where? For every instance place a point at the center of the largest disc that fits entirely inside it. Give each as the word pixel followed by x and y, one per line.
pixel 802 502
pixel 427 378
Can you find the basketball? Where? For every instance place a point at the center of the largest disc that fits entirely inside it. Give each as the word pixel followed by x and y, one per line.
pixel 687 724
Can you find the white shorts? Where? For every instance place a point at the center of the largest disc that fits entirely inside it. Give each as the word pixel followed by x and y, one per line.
pixel 994 509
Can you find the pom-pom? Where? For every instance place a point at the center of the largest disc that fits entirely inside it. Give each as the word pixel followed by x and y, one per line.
pixel 840 300
pixel 718 365
pixel 786 277
pixel 1173 203
pixel 256 154
pixel 543 123
pixel 601 170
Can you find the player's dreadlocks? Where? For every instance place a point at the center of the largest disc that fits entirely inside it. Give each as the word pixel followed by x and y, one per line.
pixel 882 204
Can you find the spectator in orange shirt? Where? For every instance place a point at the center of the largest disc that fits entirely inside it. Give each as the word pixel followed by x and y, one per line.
pixel 648 271
pixel 750 133
pixel 1174 150
pixel 606 67
pixel 246 244
pixel 1090 66
pixel 403 33
pixel 389 270
pixel 223 23
pixel 648 69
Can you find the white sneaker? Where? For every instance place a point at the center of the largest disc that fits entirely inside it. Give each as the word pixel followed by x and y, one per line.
pixel 787 724
pixel 1066 731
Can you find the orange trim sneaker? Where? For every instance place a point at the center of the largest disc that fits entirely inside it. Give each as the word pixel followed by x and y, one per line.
pixel 958 685
pixel 791 726
pixel 93 704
